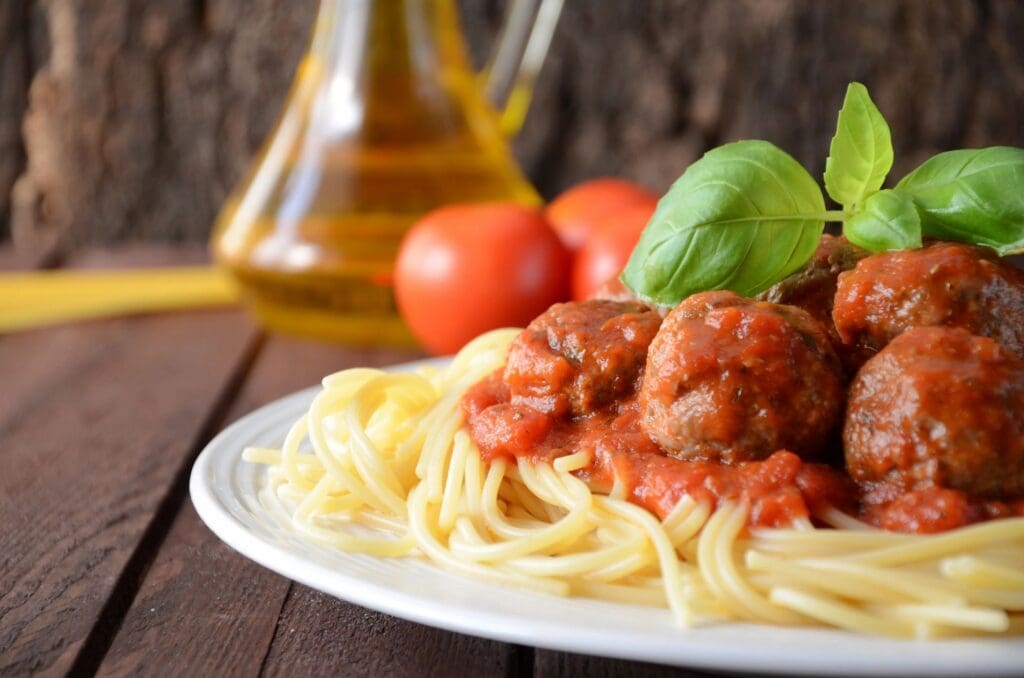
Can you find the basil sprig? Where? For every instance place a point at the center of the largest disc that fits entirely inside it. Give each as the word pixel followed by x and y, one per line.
pixel 746 214
pixel 742 217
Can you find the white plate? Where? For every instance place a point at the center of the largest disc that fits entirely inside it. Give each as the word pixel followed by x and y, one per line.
pixel 224 491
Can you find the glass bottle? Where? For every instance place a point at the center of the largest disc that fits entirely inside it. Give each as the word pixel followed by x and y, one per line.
pixel 384 122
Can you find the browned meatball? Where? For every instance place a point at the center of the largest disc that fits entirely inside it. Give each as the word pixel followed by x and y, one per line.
pixel 732 379
pixel 614 290
pixel 942 284
pixel 940 407
pixel 576 357
pixel 813 288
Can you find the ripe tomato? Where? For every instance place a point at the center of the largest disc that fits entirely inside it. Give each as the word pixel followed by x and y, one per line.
pixel 466 269
pixel 605 254
pixel 576 212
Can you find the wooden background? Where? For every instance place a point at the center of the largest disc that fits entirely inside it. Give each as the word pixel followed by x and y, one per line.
pixel 131 119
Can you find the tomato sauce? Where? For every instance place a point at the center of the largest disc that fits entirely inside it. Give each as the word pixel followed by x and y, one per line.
pixel 779 489
pixel 944 283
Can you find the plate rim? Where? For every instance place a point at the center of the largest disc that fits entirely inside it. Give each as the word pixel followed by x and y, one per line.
pixel 541 633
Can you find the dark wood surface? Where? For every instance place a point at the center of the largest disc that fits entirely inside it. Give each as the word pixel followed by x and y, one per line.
pixel 105 566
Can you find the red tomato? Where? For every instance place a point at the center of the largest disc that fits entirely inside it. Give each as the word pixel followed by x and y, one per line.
pixel 605 254
pixel 576 213
pixel 466 269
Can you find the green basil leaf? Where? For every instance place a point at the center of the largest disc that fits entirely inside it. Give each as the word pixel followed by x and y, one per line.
pixel 888 221
pixel 741 218
pixel 972 195
pixel 860 155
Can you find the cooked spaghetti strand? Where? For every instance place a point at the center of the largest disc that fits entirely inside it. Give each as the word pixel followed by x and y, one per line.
pixel 382 464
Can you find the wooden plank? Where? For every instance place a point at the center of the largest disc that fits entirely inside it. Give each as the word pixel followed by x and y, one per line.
pixel 548 664
pixel 24 381
pixel 203 609
pixel 35 363
pixel 318 635
pixel 100 429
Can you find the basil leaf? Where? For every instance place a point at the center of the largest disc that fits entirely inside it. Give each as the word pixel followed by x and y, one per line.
pixel 888 221
pixel 972 195
pixel 860 155
pixel 741 218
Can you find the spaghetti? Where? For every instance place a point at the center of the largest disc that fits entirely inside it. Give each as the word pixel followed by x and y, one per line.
pixel 382 464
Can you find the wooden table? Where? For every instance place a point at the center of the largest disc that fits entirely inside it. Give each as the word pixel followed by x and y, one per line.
pixel 105 566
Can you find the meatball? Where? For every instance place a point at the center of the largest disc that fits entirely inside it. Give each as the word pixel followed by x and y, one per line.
pixel 576 357
pixel 732 379
pixel 813 288
pixel 942 284
pixel 939 407
pixel 614 290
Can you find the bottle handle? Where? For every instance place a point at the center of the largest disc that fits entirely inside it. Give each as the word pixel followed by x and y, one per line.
pixel 511 73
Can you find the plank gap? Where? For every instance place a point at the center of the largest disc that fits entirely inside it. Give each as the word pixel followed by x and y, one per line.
pixel 277 628
pixel 520 662
pixel 204 609
pixel 129 581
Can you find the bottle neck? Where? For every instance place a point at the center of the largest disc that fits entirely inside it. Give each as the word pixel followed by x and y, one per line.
pixel 390 71
pixel 416 36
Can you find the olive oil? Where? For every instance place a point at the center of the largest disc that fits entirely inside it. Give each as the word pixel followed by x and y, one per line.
pixel 385 121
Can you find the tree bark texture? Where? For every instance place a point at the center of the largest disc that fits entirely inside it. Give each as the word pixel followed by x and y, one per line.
pixel 131 119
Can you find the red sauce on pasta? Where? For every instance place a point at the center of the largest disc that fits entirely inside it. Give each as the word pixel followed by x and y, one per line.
pixel 780 488
pixel 731 399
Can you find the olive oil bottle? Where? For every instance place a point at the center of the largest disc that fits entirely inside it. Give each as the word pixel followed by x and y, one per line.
pixel 385 121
